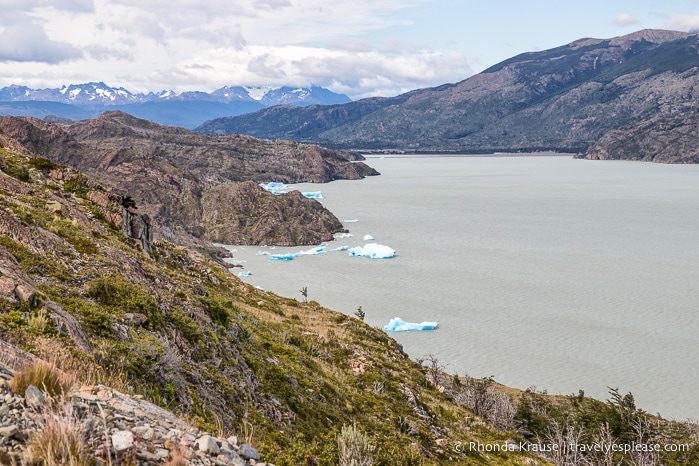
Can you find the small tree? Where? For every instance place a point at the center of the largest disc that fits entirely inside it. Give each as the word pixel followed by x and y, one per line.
pixel 360 314
pixel 304 293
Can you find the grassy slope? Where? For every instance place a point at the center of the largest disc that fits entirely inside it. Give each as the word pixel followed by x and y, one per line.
pixel 228 357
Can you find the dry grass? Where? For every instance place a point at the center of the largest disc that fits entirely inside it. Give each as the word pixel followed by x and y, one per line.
pixel 177 458
pixel 44 376
pixel 58 441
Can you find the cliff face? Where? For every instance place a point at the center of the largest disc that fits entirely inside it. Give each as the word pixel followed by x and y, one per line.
pixel 169 171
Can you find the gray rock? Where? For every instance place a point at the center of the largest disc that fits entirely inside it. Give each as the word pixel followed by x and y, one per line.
pixel 231 458
pixel 232 440
pixel 122 440
pixel 34 398
pixel 207 444
pixel 4 409
pixel 248 452
pixel 8 431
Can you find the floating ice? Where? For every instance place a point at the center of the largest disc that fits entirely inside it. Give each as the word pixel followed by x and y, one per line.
pixel 264 253
pixel 289 256
pixel 276 188
pixel 368 238
pixel 340 248
pixel 314 195
pixel 354 220
pixel 373 251
pixel 399 325
pixel 244 274
pixel 343 235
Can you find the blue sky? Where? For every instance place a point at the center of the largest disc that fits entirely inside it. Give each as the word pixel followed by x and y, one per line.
pixel 361 48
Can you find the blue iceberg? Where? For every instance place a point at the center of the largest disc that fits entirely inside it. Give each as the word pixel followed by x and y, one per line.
pixel 244 274
pixel 373 251
pixel 289 256
pixel 276 188
pixel 284 257
pixel 399 325
pixel 314 195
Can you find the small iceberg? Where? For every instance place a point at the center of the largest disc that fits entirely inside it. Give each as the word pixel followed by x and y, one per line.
pixel 354 220
pixel 368 238
pixel 373 251
pixel 399 325
pixel 284 257
pixel 289 256
pixel 244 274
pixel 314 195
pixel 276 188
pixel 343 235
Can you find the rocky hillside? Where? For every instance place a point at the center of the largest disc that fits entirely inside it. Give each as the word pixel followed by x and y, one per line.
pixel 175 173
pixel 177 329
pixel 562 99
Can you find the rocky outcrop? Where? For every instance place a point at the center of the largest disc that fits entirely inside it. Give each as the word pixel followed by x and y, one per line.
pixel 136 225
pixel 247 214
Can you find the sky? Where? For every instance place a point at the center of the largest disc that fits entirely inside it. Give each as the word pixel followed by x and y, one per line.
pixel 360 48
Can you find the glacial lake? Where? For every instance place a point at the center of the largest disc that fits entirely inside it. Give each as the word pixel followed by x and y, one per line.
pixel 545 272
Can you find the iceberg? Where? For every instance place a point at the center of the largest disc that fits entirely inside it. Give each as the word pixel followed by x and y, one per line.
pixel 368 238
pixel 276 188
pixel 283 257
pixel 354 220
pixel 373 251
pixel 289 256
pixel 244 274
pixel 399 325
pixel 343 235
pixel 340 248
pixel 314 195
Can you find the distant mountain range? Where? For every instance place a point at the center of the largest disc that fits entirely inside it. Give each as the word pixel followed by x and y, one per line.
pixel 563 99
pixel 186 109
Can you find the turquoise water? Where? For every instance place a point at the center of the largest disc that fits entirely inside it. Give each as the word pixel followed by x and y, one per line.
pixel 543 272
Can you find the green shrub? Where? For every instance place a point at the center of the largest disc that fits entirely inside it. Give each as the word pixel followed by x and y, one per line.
pixel 353 447
pixel 124 297
pixel 40 163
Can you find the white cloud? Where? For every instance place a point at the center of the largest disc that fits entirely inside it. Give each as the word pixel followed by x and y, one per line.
pixel 146 45
pixel 27 42
pixel 682 22
pixel 625 19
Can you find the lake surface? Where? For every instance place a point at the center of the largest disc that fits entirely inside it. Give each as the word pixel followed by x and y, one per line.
pixel 543 272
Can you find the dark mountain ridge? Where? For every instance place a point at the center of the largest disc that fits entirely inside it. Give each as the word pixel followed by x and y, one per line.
pixel 563 99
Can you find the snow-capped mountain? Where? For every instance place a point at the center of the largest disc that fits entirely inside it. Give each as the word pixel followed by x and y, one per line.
pixel 188 109
pixel 98 93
